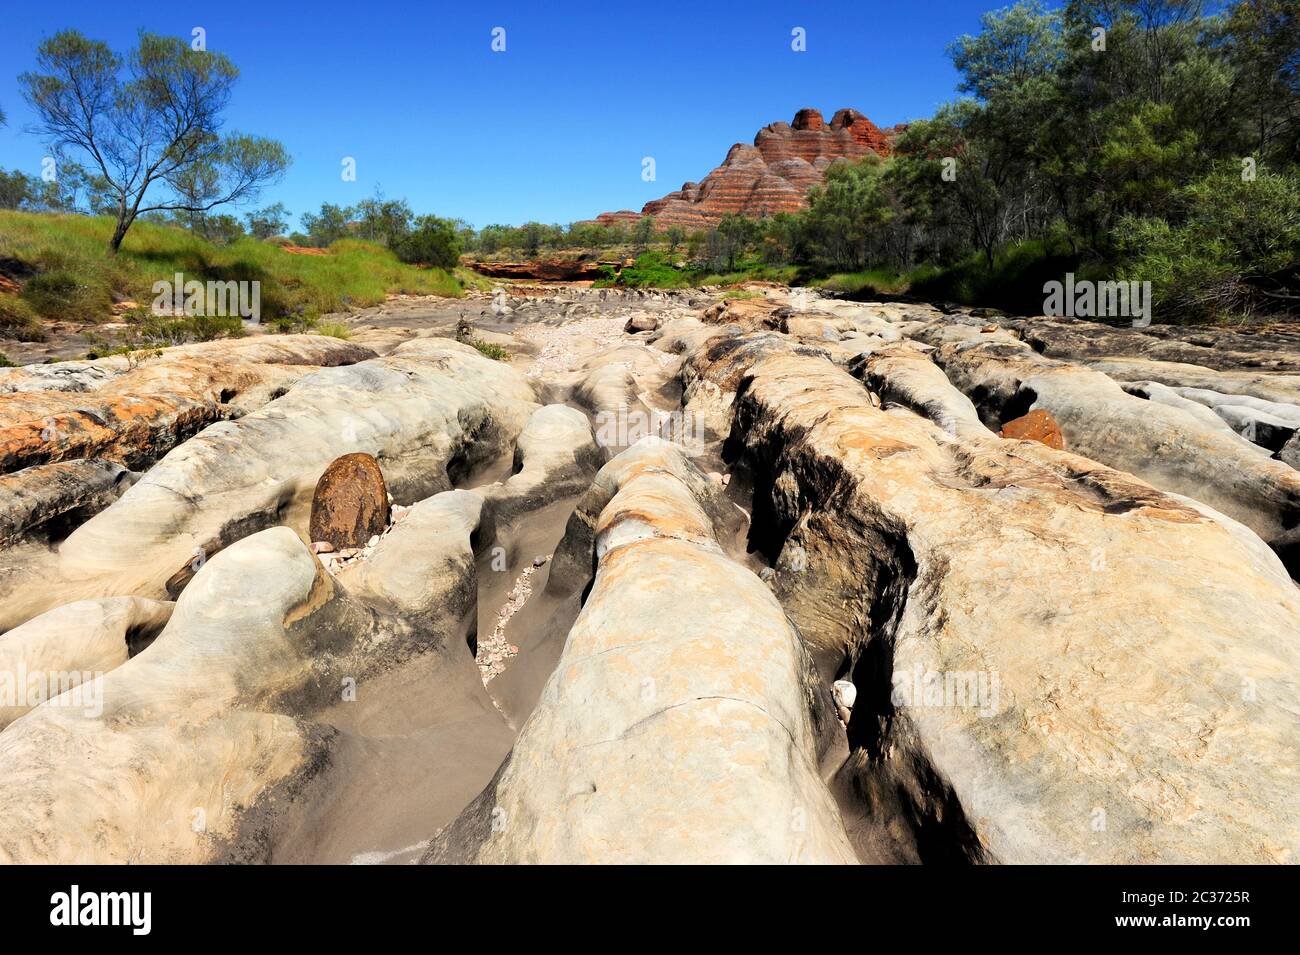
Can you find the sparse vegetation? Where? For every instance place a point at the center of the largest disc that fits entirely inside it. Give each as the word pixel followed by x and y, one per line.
pixel 74 280
pixel 333 330
pixel 491 350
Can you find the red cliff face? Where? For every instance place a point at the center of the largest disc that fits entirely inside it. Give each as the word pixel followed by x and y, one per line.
pixel 771 176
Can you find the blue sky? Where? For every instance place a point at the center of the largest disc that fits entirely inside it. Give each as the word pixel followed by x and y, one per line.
pixel 554 128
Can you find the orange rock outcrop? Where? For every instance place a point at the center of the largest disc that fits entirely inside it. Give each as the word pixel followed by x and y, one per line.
pixel 773 175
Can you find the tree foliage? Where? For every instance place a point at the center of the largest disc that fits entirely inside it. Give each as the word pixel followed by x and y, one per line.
pixel 148 124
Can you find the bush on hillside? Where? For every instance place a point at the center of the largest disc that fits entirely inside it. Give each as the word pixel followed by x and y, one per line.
pixel 433 242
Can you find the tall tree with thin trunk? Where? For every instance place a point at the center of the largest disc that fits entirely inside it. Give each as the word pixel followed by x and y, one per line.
pixel 149 124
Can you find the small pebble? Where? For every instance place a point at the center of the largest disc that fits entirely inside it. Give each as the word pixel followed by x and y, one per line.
pixel 322 547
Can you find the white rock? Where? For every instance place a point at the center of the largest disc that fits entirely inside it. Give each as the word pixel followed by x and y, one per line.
pixel 845 693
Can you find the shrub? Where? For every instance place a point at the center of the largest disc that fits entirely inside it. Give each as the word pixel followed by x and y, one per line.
pixel 62 294
pixel 17 321
pixel 206 328
pixel 491 350
pixel 334 330
pixel 433 242
pixel 1236 249
pixel 161 332
pixel 652 270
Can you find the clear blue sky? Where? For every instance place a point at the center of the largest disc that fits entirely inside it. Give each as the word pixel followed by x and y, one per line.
pixel 554 128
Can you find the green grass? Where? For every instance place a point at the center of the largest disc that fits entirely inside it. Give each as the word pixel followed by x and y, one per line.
pixel 490 350
pixel 656 270
pixel 18 320
pixel 873 281
pixel 333 330
pixel 77 280
pixel 748 272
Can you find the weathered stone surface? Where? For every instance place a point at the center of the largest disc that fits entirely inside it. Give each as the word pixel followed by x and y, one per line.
pixel 1275 347
pixel 213 721
pixel 1038 426
pixel 1271 386
pixel 771 176
pixel 1161 443
pixel 641 323
pixel 556 456
pixel 72 645
pixel 713 760
pixel 135 415
pixel 544 269
pixel 66 492
pixel 904 375
pixel 979 643
pixel 430 411
pixel 350 503
pixel 1291 453
pixel 1164 395
pixel 902 551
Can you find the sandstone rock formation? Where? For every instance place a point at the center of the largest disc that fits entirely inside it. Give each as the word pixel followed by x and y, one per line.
pixel 901 552
pixel 675 727
pixel 543 269
pixel 202 743
pixel 862 607
pixel 773 175
pixel 429 412
pixel 133 415
pixel 46 496
pixel 70 646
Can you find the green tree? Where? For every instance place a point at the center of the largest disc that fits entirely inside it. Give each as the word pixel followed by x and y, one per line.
pixel 1261 41
pixel 733 236
pixel 529 238
pixel 491 238
pixel 434 242
pixel 849 215
pixel 147 119
pixel 329 225
pixel 644 233
pixel 267 222
pixel 675 235
pixel 383 220
pixel 1233 246
pixel 16 189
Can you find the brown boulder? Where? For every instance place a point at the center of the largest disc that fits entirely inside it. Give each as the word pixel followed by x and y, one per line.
pixel 350 504
pixel 1036 426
